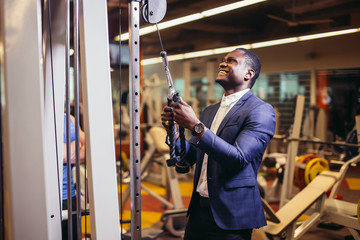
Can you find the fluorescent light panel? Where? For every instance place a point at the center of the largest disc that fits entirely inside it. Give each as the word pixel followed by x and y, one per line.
pixel 192 17
pixel 328 34
pixel 249 46
pixel 274 42
pixel 229 7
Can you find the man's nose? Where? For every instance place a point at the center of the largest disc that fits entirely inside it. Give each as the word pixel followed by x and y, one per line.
pixel 222 64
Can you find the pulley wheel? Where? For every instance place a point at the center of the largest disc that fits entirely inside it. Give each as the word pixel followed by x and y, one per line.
pixel 144 13
pixel 314 167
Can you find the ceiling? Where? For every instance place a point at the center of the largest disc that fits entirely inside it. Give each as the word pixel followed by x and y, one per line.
pixel 263 21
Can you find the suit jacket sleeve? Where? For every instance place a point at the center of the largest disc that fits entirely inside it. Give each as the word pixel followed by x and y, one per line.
pixel 252 135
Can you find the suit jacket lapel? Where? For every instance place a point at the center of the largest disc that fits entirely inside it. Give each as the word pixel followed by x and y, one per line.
pixel 207 121
pixel 211 115
pixel 233 110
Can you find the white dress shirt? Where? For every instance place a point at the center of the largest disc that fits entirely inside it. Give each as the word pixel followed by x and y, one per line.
pixel 227 102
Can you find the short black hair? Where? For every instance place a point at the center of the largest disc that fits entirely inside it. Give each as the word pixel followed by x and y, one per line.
pixel 252 61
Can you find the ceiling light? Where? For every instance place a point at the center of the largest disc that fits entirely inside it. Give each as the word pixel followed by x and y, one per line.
pixel 178 21
pixel 229 49
pixel 328 34
pixel 199 54
pixel 230 7
pixel 273 42
pixel 249 46
pixel 192 17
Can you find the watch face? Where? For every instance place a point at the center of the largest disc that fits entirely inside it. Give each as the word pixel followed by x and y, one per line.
pixel 199 128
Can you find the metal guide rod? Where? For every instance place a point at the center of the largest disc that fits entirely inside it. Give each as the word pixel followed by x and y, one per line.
pixel 68 149
pixel 2 220
pixel 134 68
pixel 51 125
pixel 77 116
pixel 120 150
pixel 292 152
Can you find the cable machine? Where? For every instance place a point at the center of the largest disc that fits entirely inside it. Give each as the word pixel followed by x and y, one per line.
pixel 32 126
pixel 32 154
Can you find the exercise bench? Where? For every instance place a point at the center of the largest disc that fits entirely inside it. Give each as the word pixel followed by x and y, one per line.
pixel 283 224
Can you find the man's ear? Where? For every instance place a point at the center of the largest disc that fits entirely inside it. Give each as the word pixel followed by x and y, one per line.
pixel 249 75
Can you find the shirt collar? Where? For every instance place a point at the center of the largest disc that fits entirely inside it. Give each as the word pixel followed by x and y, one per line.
pixel 232 98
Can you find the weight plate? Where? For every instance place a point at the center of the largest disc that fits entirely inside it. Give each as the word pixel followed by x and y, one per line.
pixel 299 172
pixel 314 167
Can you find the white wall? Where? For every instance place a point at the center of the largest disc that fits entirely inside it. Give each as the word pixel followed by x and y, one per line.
pixel 334 52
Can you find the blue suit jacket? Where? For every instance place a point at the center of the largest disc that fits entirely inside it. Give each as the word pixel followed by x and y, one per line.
pixel 234 156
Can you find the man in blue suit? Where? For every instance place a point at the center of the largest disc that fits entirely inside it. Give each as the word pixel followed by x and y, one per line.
pixel 227 146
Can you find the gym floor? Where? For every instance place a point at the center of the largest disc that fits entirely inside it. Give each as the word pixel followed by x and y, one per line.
pixel 152 209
